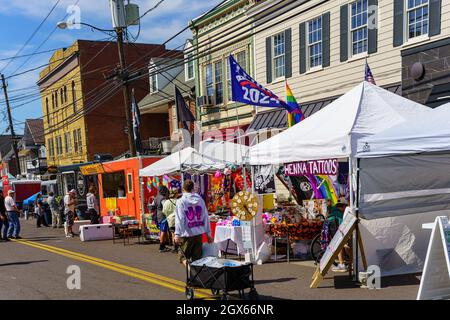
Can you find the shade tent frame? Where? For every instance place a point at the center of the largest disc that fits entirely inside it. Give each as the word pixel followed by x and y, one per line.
pixel 373 110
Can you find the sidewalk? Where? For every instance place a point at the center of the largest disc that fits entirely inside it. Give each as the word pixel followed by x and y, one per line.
pixel 279 280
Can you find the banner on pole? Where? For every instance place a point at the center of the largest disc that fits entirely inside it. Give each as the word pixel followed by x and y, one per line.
pixel 246 90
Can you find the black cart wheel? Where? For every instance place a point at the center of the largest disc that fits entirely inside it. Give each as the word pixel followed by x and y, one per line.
pixel 215 292
pixel 253 294
pixel 189 293
pixel 224 297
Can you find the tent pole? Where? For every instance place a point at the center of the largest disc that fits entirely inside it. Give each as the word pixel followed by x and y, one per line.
pixel 358 234
pixel 352 207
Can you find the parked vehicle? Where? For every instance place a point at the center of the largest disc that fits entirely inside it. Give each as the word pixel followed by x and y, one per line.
pixel 70 177
pixel 23 188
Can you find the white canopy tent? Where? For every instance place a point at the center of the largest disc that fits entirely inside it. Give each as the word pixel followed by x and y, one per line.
pixel 186 159
pixel 405 182
pixel 419 134
pixel 335 132
pixel 212 155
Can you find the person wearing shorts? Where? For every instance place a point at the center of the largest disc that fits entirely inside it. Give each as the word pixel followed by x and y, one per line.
pixel 69 212
pixel 191 222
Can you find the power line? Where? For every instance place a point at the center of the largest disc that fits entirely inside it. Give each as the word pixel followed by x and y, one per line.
pixel 30 54
pixel 32 35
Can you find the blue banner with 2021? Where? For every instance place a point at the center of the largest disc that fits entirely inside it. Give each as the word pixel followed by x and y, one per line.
pixel 247 90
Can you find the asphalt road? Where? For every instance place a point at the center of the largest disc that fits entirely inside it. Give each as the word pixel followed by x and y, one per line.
pixel 36 268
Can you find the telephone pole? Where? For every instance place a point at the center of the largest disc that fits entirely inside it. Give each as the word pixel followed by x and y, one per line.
pixel 11 126
pixel 119 20
pixel 126 91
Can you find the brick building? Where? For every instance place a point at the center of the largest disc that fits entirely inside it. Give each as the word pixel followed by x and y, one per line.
pixel 83 111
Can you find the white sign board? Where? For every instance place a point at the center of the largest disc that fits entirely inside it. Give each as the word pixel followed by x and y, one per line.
pixel 435 282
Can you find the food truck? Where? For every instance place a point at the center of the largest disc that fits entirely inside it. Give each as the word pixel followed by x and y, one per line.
pixel 71 177
pixel 120 191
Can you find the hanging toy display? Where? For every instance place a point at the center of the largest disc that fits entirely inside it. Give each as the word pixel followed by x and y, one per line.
pixel 238 179
pixel 244 206
pixel 175 184
pixel 217 191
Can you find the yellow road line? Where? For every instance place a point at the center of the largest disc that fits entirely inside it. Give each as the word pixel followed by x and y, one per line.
pixel 121 266
pixel 129 271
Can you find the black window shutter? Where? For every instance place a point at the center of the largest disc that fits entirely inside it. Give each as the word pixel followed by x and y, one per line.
pixel 288 53
pixel 302 48
pixel 344 33
pixel 398 22
pixel 373 30
pixel 269 59
pixel 435 17
pixel 326 40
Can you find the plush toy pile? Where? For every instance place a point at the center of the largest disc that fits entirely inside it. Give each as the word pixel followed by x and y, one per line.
pixel 229 222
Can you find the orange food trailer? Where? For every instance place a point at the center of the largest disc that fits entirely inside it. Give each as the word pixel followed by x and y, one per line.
pixel 120 191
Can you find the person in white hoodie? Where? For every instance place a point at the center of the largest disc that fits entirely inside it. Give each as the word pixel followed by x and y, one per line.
pixel 191 222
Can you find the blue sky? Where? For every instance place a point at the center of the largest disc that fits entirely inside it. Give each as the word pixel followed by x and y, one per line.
pixel 20 18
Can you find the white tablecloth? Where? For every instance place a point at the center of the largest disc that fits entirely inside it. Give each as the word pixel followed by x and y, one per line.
pixel 225 233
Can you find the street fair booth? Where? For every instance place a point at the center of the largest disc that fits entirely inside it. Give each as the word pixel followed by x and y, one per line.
pixel 332 134
pixel 216 167
pixel 404 183
pixel 120 190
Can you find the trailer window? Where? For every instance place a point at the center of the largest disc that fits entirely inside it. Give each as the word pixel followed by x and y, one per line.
pixel 130 183
pixel 114 185
pixel 69 182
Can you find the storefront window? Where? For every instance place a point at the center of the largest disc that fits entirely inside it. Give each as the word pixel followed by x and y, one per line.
pixel 114 185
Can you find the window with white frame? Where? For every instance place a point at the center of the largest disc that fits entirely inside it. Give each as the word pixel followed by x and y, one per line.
pixel 153 83
pixel 315 43
pixel 218 82
pixel 209 90
pixel 359 27
pixel 278 54
pixel 174 119
pixel 417 18
pixel 153 79
pixel 190 67
pixel 68 142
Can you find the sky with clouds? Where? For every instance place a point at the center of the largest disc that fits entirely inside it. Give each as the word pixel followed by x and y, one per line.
pixel 19 19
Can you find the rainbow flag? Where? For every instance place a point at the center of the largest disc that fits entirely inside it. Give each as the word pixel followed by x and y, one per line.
pixel 297 115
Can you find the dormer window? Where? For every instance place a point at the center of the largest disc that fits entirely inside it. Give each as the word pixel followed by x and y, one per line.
pixel 153 78
pixel 153 83
pixel 189 61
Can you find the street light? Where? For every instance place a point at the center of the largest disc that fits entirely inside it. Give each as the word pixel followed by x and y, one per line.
pixel 64 25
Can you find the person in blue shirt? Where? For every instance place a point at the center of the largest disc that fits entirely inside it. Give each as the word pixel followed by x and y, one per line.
pixel 39 211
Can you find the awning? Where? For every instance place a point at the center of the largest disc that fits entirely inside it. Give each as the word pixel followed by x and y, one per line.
pixel 24 153
pixel 90 169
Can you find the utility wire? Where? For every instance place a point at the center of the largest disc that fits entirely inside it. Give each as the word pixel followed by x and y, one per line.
pixel 32 36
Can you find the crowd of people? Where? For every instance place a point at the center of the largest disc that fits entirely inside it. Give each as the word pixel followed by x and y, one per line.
pixel 182 220
pixel 62 212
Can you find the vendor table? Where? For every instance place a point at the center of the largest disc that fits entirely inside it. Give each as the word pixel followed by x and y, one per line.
pixel 225 234
pixel 127 231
